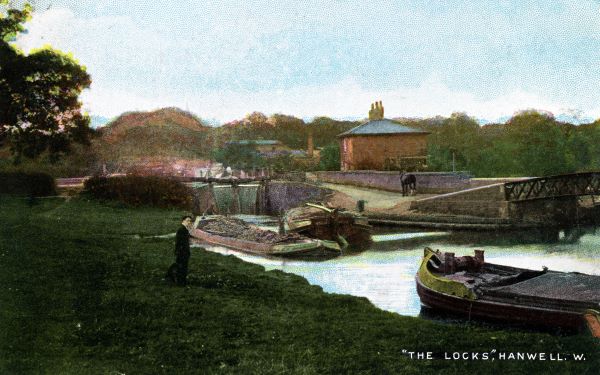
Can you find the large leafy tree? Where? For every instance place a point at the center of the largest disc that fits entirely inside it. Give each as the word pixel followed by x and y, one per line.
pixel 541 147
pixel 39 94
pixel 325 129
pixel 455 139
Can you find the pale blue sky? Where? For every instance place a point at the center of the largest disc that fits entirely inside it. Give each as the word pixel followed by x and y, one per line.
pixel 223 59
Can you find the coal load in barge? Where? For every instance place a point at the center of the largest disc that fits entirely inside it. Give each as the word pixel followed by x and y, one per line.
pixel 239 235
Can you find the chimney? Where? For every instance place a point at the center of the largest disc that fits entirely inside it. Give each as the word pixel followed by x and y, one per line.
pixel 309 144
pixel 376 112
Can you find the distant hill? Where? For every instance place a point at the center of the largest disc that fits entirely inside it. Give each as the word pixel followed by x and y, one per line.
pixel 168 132
pixel 163 118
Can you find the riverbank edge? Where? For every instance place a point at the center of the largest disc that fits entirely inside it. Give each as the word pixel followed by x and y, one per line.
pixel 84 293
pixel 449 222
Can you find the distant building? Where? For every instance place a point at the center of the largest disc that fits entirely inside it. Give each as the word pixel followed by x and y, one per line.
pixel 274 148
pixel 263 147
pixel 382 144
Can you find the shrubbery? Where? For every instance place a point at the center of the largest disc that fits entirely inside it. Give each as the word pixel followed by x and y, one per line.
pixel 141 191
pixel 31 184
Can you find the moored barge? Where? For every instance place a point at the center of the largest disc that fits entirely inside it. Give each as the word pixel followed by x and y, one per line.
pixel 236 234
pixel 475 289
pixel 332 224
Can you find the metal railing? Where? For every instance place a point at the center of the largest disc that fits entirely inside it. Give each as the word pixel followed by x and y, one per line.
pixel 567 185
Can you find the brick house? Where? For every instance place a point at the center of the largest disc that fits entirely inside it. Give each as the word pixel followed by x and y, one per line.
pixel 383 144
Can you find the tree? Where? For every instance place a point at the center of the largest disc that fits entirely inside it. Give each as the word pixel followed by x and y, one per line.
pixel 454 140
pixel 540 144
pixel 330 157
pixel 493 153
pixel 325 129
pixel 290 130
pixel 39 94
pixel 241 156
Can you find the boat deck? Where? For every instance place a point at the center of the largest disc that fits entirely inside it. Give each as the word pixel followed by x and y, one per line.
pixel 567 287
pixel 560 289
pixel 503 293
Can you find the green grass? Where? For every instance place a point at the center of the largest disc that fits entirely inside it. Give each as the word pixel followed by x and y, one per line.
pixel 82 293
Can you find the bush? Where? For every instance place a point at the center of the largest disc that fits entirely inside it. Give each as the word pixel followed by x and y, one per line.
pixel 27 183
pixel 141 191
pixel 330 158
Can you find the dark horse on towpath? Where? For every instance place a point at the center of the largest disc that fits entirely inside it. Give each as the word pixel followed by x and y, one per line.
pixel 409 183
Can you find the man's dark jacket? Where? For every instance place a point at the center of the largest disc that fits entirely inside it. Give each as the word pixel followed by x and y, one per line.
pixel 182 243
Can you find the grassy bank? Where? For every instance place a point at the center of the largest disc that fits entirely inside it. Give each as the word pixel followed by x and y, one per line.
pixel 82 293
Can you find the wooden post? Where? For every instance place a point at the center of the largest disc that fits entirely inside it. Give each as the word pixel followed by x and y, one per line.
pixel 258 200
pixel 235 198
pixel 267 201
pixel 262 205
pixel 211 205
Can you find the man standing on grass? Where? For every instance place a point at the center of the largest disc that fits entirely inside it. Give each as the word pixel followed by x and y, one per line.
pixel 182 250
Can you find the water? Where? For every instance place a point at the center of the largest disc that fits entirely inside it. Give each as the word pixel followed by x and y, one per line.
pixel 384 273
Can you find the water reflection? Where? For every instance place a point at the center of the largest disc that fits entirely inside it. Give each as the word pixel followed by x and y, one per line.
pixel 384 273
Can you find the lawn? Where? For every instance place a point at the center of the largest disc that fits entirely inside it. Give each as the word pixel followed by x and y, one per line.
pixel 83 293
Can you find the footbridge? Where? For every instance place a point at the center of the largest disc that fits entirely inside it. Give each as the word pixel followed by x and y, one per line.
pixel 553 187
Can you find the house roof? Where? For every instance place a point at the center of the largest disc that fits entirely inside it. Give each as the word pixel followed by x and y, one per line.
pixel 383 126
pixel 262 142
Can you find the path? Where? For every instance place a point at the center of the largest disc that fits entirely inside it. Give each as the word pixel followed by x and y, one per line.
pixel 376 200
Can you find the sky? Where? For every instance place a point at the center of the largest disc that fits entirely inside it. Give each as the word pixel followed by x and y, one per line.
pixel 224 59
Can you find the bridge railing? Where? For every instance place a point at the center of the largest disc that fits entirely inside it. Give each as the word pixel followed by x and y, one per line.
pixel 574 184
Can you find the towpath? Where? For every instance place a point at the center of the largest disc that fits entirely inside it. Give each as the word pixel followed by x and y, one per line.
pixel 391 208
pixel 379 201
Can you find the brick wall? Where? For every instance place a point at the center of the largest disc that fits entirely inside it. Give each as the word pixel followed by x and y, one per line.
pixel 427 182
pixel 489 202
pixel 555 211
pixel 371 151
pixel 485 201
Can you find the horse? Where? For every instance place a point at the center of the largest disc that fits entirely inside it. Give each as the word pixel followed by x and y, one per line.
pixel 408 181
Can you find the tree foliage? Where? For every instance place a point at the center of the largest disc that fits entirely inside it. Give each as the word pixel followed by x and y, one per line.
pixel 531 143
pixel 290 130
pixel 238 156
pixel 325 130
pixel 330 157
pixel 453 142
pixel 540 144
pixel 39 94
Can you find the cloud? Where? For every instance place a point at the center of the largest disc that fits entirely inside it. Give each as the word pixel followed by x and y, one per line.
pixel 225 59
pixel 344 99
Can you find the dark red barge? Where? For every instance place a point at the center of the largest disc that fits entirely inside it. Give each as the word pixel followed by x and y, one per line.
pixel 470 287
pixel 331 224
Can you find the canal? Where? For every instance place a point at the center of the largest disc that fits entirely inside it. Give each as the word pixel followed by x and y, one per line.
pixel 384 272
